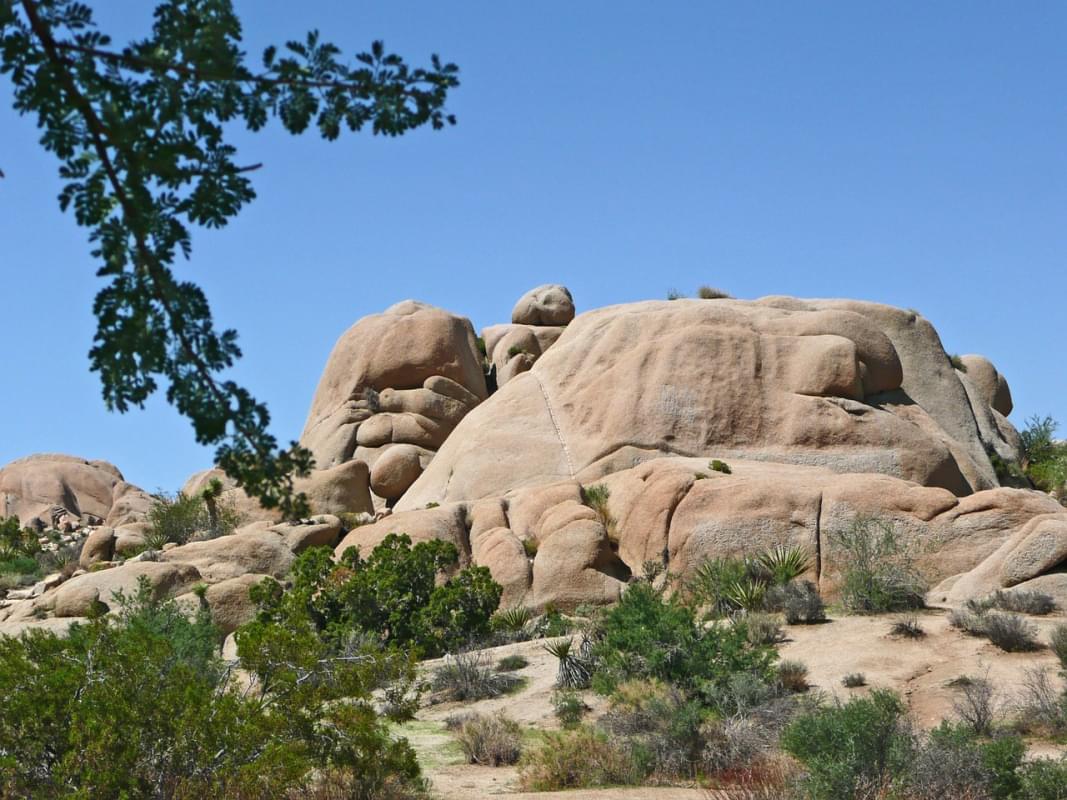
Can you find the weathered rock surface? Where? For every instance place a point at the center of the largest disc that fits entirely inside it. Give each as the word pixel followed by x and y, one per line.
pixel 827 411
pixel 52 489
pixel 550 304
pixel 411 372
pixel 855 387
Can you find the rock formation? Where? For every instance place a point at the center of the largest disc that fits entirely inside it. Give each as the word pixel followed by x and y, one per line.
pixel 824 410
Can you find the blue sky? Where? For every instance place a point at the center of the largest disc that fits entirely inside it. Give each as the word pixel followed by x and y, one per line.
pixel 907 153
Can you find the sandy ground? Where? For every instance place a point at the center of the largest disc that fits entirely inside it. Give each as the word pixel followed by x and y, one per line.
pixel 920 669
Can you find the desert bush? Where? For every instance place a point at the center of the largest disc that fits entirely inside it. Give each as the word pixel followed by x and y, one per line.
pixel 470 676
pixel 799 602
pixel 529 546
pixel 970 619
pixel 674 294
pixel 1020 601
pixel 393 594
pixel 568 707
pixel 661 729
pixel 715 465
pixel 574 670
pixel 551 624
pixel 1041 707
pixel 647 637
pixel 865 742
pixel 573 759
pixel 1058 643
pixel 957 362
pixel 179 518
pixel 511 663
pixel 854 680
pixel 763 628
pixel 977 705
pixel 951 763
pixel 877 569
pixel 1044 458
pixel 793 676
pixel 908 628
pixel 596 497
pixel 138 705
pixel 706 292
pixel 1010 632
pixel 714 585
pixel 1043 779
pixel 491 741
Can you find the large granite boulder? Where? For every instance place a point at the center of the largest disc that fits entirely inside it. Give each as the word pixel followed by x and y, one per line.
pixel 854 387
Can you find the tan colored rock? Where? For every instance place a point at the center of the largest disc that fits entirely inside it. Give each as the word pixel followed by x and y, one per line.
pixel 992 386
pixel 50 487
pixel 414 363
pixel 249 550
pixel 514 349
pixel 229 602
pixel 779 380
pixel 98 546
pixel 502 552
pixel 129 505
pixel 576 565
pixel 550 304
pixel 448 523
pixel 322 531
pixel 337 490
pixel 129 539
pixel 76 597
pixel 395 470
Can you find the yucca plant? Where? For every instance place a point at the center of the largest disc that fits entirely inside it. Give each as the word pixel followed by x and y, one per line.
pixel 574 671
pixel 747 594
pixel 782 564
pixel 512 620
pixel 596 497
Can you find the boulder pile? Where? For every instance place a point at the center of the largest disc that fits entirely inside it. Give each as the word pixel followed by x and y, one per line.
pixel 702 427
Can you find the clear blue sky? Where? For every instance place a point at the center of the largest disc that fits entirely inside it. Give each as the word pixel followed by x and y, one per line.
pixel 908 153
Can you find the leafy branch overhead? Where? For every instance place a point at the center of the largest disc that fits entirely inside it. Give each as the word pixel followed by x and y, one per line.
pixel 141 134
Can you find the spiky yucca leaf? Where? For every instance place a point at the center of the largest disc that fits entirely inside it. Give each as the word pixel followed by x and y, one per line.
pixel 782 563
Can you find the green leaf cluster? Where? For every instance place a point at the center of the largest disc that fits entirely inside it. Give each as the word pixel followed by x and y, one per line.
pixel 141 135
pixel 393 595
pixel 141 706
pixel 647 637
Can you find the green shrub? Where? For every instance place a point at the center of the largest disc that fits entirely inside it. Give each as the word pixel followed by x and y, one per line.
pixel 877 570
pixel 393 594
pixel 977 705
pixel 491 741
pixel 1020 601
pixel 951 762
pixel 529 547
pixel 646 637
pixel 711 293
pixel 715 465
pixel 1044 458
pixel 763 629
pixel 863 743
pixel 1058 643
pixel 674 294
pixel 138 705
pixel 20 565
pixel 907 628
pixel 574 759
pixel 1011 633
pixel 1043 779
pixel 469 676
pixel 709 586
pixel 17 542
pixel 799 602
pixel 511 663
pixel 957 363
pixel 179 518
pixel 661 729
pixel 793 676
pixel 854 680
pixel 596 497
pixel 568 707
